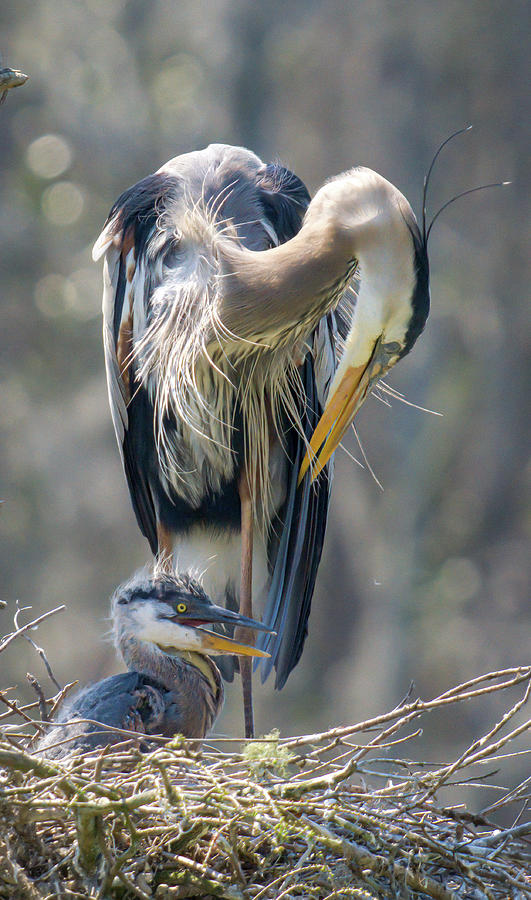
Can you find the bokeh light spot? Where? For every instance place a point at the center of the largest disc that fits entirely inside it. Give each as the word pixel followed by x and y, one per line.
pixel 53 295
pixel 49 156
pixel 62 203
pixel 459 579
pixel 83 294
pixel 177 84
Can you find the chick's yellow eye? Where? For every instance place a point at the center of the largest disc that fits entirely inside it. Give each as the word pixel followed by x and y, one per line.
pixel 181 607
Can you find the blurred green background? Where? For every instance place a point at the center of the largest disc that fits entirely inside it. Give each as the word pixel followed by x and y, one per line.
pixel 425 581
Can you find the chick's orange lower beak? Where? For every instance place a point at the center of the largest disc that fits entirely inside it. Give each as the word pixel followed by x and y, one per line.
pixel 211 641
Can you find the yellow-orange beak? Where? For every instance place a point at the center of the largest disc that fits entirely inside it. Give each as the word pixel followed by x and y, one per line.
pixel 341 408
pixel 211 641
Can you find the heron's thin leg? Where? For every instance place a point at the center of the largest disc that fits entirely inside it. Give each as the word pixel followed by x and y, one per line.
pixel 245 635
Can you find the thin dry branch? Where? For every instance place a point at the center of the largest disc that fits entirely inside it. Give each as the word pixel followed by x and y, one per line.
pixel 22 630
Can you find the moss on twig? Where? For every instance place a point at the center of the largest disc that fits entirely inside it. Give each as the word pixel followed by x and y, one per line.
pixel 267 755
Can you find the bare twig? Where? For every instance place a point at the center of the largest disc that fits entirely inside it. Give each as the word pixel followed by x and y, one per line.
pixel 40 694
pixel 44 658
pixel 22 630
pixel 58 699
pixel 13 706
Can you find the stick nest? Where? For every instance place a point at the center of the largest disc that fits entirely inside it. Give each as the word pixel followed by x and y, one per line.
pixel 343 813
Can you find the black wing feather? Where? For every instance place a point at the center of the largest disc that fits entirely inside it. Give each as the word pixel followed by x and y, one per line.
pixel 295 558
pixel 132 221
pixel 137 464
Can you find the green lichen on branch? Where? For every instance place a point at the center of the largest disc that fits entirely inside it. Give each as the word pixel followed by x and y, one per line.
pixel 267 755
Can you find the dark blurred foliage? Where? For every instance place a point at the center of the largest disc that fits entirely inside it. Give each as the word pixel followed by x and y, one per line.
pixel 425 581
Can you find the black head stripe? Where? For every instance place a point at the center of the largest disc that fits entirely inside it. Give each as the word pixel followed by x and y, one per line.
pixel 420 300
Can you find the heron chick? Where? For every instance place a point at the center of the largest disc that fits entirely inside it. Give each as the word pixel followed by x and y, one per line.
pixel 172 685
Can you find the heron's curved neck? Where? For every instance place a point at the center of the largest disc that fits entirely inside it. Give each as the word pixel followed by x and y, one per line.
pixel 290 287
pixel 293 284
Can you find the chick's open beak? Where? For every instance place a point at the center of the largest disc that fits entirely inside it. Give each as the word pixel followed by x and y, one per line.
pixel 218 615
pixel 341 407
pixel 211 641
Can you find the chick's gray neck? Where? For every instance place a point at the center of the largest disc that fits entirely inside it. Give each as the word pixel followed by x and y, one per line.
pixel 192 683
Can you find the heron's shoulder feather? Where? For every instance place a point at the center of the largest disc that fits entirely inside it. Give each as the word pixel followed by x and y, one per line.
pixel 135 213
pixel 129 277
pixel 161 284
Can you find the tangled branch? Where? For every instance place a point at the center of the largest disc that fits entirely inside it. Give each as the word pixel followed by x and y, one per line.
pixel 331 814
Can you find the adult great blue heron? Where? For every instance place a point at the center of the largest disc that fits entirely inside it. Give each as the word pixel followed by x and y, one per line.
pixel 172 686
pixel 220 285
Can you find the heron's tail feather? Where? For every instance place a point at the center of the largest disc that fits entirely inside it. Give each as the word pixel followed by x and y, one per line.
pixel 298 553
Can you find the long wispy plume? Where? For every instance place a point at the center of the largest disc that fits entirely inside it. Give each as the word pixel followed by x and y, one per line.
pixel 192 364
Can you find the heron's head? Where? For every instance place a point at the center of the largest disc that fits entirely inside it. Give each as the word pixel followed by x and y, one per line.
pixel 171 610
pixel 376 224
